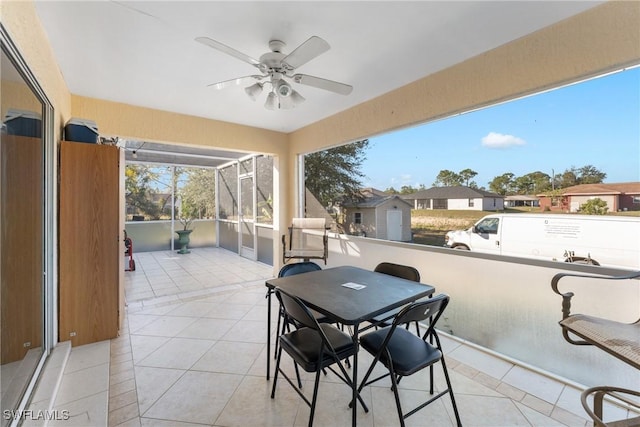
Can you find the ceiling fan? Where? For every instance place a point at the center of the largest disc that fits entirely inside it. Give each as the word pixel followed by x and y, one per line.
pixel 277 72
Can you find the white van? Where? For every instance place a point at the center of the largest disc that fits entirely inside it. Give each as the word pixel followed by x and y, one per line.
pixel 612 241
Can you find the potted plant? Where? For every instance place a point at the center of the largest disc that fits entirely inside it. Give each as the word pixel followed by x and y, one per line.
pixel 186 217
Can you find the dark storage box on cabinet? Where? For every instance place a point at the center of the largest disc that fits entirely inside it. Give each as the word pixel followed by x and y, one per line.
pixel 81 130
pixel 23 123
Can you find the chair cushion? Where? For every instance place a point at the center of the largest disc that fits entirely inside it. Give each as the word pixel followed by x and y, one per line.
pixel 304 344
pixel 409 352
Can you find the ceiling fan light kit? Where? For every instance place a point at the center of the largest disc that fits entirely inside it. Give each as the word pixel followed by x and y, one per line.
pixel 272 101
pixel 276 67
pixel 254 91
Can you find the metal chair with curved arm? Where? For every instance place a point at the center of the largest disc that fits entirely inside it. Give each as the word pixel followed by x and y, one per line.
pixel 621 340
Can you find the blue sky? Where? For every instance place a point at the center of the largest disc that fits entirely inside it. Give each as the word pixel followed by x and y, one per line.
pixel 596 122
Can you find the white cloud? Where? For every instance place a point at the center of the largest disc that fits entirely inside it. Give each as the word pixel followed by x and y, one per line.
pixel 498 140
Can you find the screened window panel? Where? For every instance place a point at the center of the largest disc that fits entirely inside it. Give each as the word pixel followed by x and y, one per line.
pixel 264 189
pixel 228 188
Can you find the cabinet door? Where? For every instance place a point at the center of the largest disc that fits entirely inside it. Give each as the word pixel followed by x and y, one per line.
pixel 89 242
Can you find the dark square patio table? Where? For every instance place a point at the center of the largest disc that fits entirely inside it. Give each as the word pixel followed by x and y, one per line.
pixel 324 291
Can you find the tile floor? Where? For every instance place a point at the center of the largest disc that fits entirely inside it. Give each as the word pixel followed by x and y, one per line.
pixel 192 353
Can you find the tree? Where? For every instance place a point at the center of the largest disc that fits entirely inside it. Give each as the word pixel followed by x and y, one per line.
pixel 335 173
pixel 198 192
pixel 139 192
pixel 408 189
pixel 532 183
pixel 502 184
pixel 594 207
pixel 590 175
pixel 466 175
pixel 447 178
pixel 391 190
pixel 568 178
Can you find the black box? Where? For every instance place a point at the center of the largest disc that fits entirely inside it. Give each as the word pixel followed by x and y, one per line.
pixel 23 123
pixel 81 130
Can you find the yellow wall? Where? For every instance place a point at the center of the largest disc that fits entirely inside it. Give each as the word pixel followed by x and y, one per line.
pixel 127 121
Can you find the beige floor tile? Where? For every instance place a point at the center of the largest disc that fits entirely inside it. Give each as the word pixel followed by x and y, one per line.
pixel 247 331
pixel 540 386
pixel 123 414
pixel 489 411
pixel 332 406
pixel 139 320
pixel 211 329
pixel 83 383
pixel 123 387
pixel 223 310
pixel 230 357
pixel 88 355
pixel 143 345
pixel 122 400
pixel 197 397
pixel 165 326
pixel 536 418
pixel 177 353
pixel 251 405
pixel 192 309
pixel 152 422
pixel 152 383
pixel 90 410
pixel 481 361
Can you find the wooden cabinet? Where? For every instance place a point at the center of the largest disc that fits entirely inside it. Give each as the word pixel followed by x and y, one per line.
pixel 90 242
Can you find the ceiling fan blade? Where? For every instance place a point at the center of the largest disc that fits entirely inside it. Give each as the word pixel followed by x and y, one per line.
pixel 228 50
pixel 304 53
pixel 235 82
pixel 341 88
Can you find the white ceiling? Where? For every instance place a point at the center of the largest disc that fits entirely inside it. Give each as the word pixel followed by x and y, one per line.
pixel 143 53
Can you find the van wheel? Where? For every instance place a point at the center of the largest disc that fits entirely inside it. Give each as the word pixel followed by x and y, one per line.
pixel 461 247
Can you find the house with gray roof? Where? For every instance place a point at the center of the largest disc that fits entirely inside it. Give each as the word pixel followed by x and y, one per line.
pixel 455 198
pixel 379 215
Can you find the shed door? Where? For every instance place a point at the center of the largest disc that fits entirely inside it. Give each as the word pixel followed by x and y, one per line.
pixel 394 225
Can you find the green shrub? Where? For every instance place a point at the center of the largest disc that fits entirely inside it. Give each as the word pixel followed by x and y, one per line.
pixel 594 207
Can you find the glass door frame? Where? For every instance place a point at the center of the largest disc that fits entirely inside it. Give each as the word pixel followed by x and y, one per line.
pixel 49 217
pixel 245 251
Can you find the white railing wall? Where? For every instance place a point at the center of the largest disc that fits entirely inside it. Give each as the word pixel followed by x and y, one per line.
pixel 506 304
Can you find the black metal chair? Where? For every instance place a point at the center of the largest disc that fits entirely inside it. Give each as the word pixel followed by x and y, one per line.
pixel 620 340
pixel 404 272
pixel 404 353
pixel 290 270
pixel 314 347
